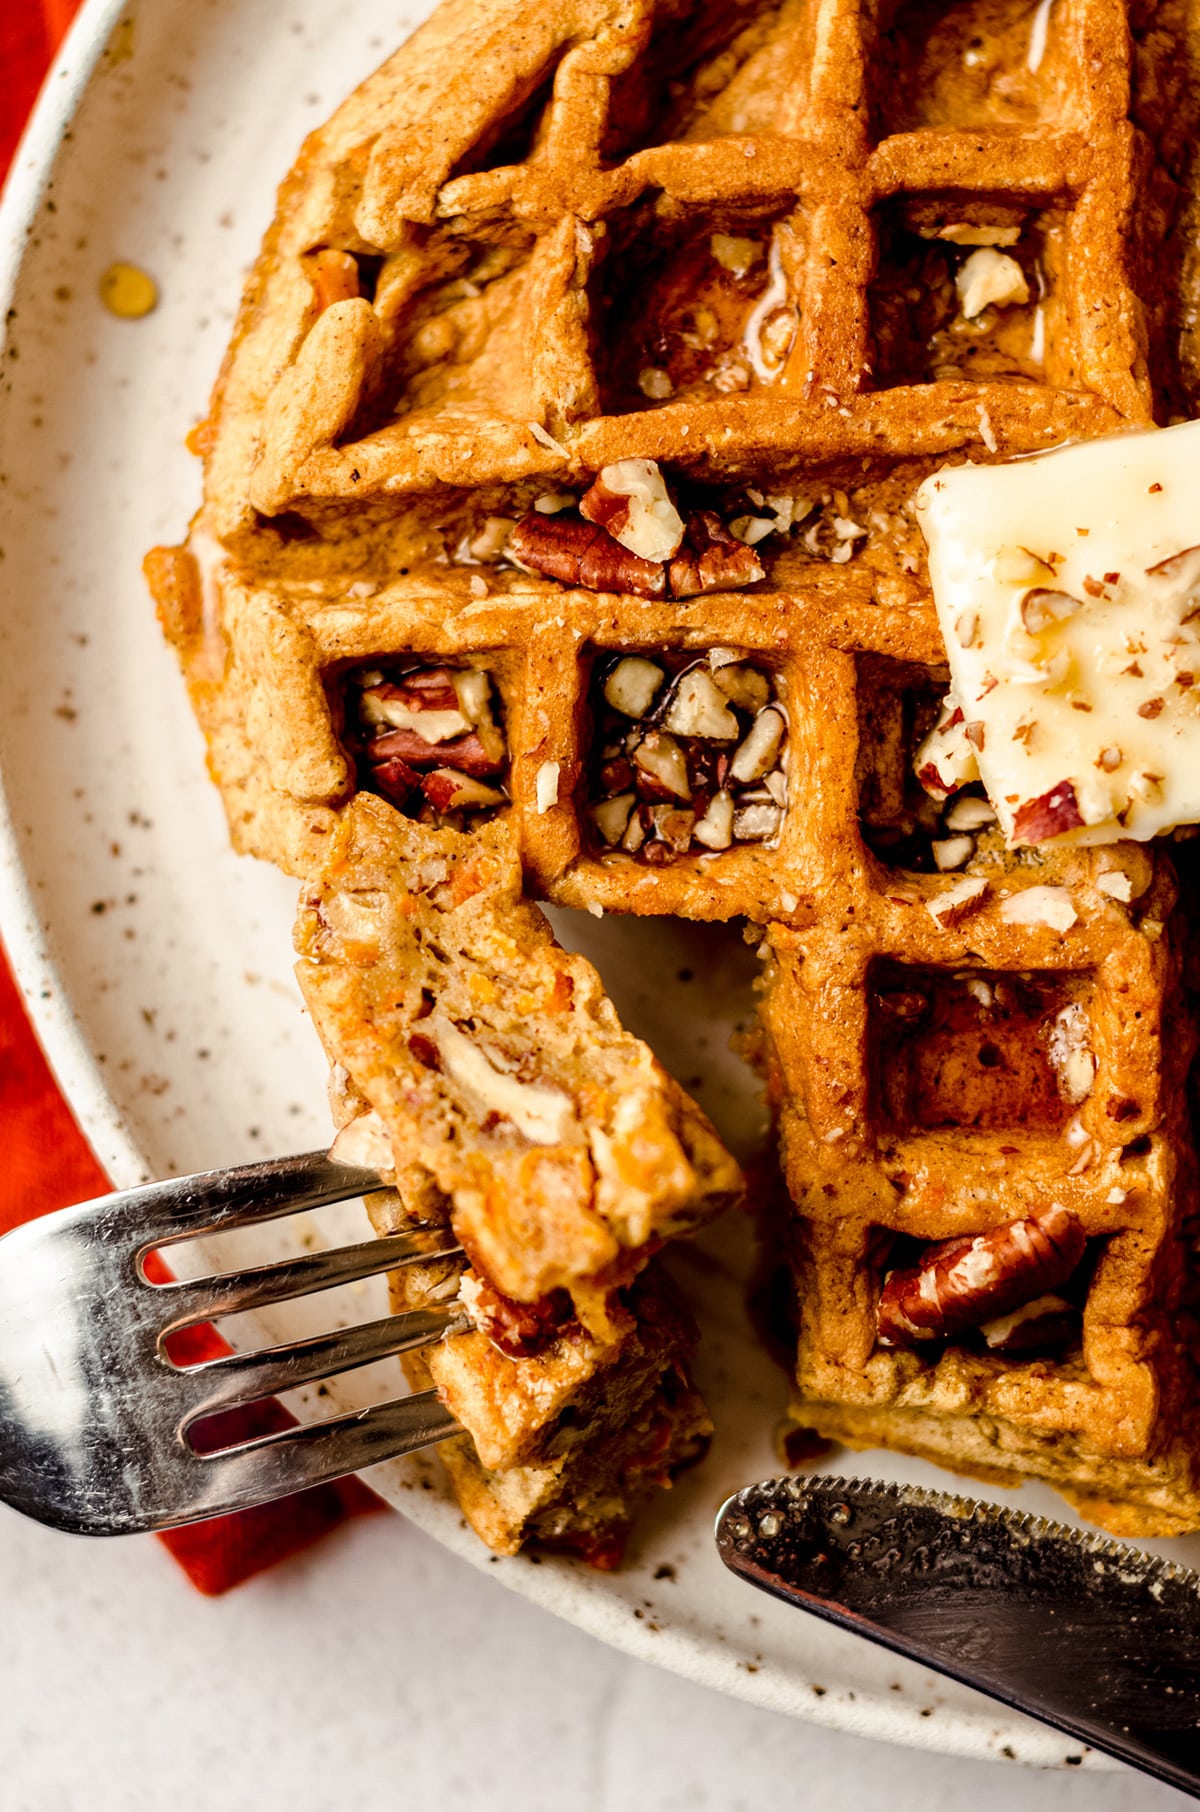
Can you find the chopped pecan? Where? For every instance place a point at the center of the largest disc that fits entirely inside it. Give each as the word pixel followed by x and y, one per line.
pixel 464 752
pixel 450 790
pixel 758 752
pixel 661 763
pixel 1051 907
pixel 712 559
pixel 970 814
pixel 989 278
pixel 673 826
pixel 395 779
pixel 611 816
pixel 431 711
pixel 580 553
pixel 631 686
pixel 1047 816
pixel 616 775
pixel 962 1283
pixel 433 686
pixel 698 708
pixel 1042 607
pixel 952 905
pixel 520 1329
pixel 946 760
pixel 630 500
pixel 952 852
pixel 756 822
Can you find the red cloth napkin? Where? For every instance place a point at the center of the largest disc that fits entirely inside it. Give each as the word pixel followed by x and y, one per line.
pixel 47 1163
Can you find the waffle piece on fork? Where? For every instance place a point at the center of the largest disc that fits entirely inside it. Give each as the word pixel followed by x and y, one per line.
pixel 796 257
pixel 569 1434
pixel 484 1068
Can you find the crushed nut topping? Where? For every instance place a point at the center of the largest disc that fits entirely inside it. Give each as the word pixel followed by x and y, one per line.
pixel 946 303
pixel 428 739
pixel 690 755
pixel 630 537
pixel 690 313
pixel 920 804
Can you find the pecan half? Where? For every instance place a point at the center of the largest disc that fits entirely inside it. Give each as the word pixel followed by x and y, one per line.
pixel 962 1283
pixel 580 553
pixel 711 559
pixel 1047 816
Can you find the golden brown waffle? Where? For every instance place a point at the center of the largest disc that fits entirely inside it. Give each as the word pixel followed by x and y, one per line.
pixel 566 1442
pixel 563 1157
pixel 491 276
pixel 554 1140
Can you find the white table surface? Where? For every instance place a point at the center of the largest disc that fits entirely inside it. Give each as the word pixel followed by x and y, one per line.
pixel 377 1672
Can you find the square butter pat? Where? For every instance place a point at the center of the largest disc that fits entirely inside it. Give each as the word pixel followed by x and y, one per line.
pixel 1067 586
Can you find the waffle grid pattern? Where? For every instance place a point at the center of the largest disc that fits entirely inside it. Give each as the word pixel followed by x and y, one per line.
pixel 815 153
pixel 830 910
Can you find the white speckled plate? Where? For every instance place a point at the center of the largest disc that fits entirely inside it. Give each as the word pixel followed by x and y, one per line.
pixel 156 963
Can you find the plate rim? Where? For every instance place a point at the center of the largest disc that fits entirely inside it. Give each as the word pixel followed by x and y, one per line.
pixel 29 943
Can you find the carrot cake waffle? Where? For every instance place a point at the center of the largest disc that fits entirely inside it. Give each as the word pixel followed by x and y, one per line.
pixel 583 519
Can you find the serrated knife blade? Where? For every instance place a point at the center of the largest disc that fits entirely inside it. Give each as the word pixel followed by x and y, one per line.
pixel 1087 1634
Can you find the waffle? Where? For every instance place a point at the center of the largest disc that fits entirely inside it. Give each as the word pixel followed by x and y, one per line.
pixel 739 242
pixel 569 1438
pixel 550 1140
pixel 554 1141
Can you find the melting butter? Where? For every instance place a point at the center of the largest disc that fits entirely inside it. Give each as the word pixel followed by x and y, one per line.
pixel 1067 587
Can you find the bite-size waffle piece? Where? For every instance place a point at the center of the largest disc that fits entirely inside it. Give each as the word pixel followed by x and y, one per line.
pixel 483 1068
pixel 568 1432
pixel 785 261
pixel 507 1091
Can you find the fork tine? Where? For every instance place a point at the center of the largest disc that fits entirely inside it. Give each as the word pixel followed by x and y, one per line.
pixel 205 1298
pixel 238 1378
pixel 315 1452
pixel 158 1214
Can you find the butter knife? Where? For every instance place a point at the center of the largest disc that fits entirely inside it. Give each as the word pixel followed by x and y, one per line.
pixel 1087 1634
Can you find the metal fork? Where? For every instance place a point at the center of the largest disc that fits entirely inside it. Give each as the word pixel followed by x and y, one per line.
pixel 95 1416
